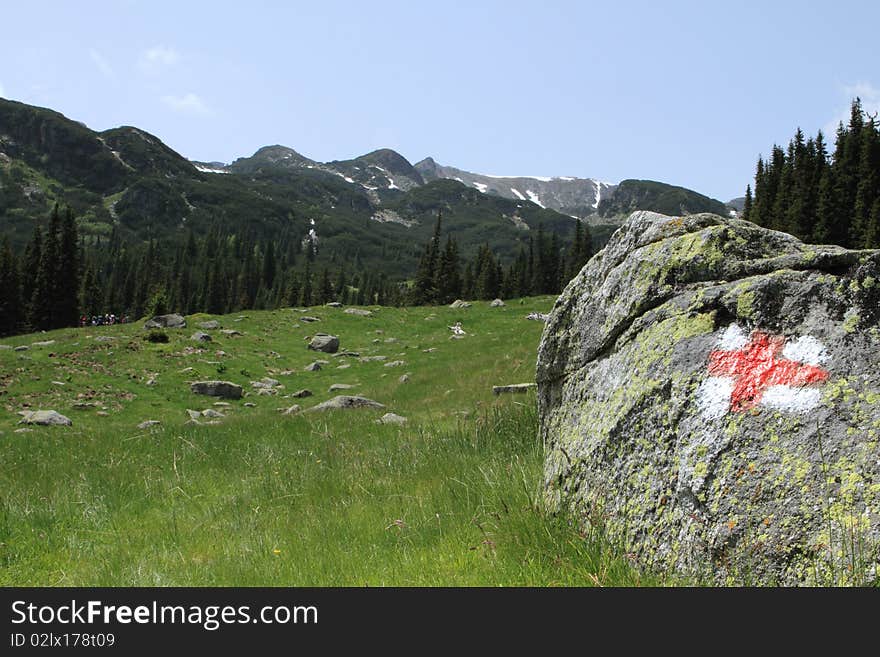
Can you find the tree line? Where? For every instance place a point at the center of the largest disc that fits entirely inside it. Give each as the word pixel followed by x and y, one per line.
pixel 60 277
pixel 823 197
pixel 544 268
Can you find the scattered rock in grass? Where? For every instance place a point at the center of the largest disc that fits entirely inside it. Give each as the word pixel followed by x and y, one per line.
pixel 85 406
pixel 210 412
pixel 44 418
pixel 250 405
pixel 193 415
pixel 347 354
pixel 404 378
pixel 391 418
pixel 225 389
pixel 21 347
pixel 370 359
pixel 59 383
pixel 360 312
pixel 23 430
pixel 395 363
pixel 102 413
pixel 538 317
pixel 151 382
pixel 334 304
pixel 200 336
pixel 210 325
pixel 308 319
pixel 166 321
pixel 222 404
pixel 292 410
pixel 458 303
pixel 230 333
pixel 302 393
pixel 266 383
pixel 105 338
pixel 146 424
pixel 390 340
pixel 312 367
pixel 513 388
pixel 341 386
pixel 497 303
pixel 44 343
pixel 328 344
pixel 430 350
pixel 187 370
pixel 344 366
pixel 345 401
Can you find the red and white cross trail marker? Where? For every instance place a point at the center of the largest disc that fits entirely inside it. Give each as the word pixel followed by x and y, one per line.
pixel 762 369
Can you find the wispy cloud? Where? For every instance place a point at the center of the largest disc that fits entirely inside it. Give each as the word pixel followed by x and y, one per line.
pixel 869 95
pixel 157 58
pixel 187 104
pixel 102 64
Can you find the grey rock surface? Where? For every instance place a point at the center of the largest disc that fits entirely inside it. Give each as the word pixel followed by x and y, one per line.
pixel 709 391
pixel 329 344
pixel 166 321
pixel 345 401
pixel 44 418
pixel 210 325
pixel 200 336
pixel 224 389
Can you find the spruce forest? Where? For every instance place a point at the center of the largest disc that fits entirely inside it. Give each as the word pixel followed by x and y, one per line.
pixel 822 197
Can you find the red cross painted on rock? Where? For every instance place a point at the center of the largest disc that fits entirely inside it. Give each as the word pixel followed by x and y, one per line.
pixel 757 366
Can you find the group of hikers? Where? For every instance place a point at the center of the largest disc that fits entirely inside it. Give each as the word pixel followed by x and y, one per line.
pixel 102 320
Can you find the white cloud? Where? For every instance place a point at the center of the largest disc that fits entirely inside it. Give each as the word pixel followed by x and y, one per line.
pixel 870 97
pixel 102 64
pixel 154 59
pixel 187 104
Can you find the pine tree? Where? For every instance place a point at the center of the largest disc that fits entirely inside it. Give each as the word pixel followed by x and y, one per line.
pixel 10 291
pixel 747 204
pixel 449 273
pixel 43 301
pixel 67 283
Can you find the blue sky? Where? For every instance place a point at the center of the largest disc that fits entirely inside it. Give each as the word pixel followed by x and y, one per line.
pixel 683 92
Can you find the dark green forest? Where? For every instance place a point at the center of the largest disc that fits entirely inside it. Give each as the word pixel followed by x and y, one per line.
pixel 820 196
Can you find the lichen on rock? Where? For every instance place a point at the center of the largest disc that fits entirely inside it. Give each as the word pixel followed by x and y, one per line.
pixel 761 468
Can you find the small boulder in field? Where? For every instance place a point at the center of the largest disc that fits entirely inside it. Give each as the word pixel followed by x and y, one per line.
pixel 497 303
pixel 44 418
pixel 224 389
pixel 313 367
pixel 166 321
pixel 302 393
pixel 340 386
pixel 360 312
pixel 200 336
pixel 404 378
pixel 293 410
pixel 309 320
pixel 328 344
pixel 395 363
pixel 458 303
pixel 210 325
pixel 334 304
pixel 345 401
pixel 230 333
pixel 391 418
pixel 146 424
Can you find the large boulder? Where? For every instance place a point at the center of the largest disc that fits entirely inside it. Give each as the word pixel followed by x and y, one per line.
pixel 329 344
pixel 166 321
pixel 44 418
pixel 709 391
pixel 223 389
pixel 345 401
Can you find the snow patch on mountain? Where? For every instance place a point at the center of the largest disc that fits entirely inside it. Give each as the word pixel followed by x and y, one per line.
pixel 517 193
pixel 534 198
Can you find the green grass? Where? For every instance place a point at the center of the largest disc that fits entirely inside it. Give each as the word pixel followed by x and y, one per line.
pixel 452 498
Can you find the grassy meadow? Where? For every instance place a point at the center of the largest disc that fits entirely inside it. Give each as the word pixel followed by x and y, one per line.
pixel 266 499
